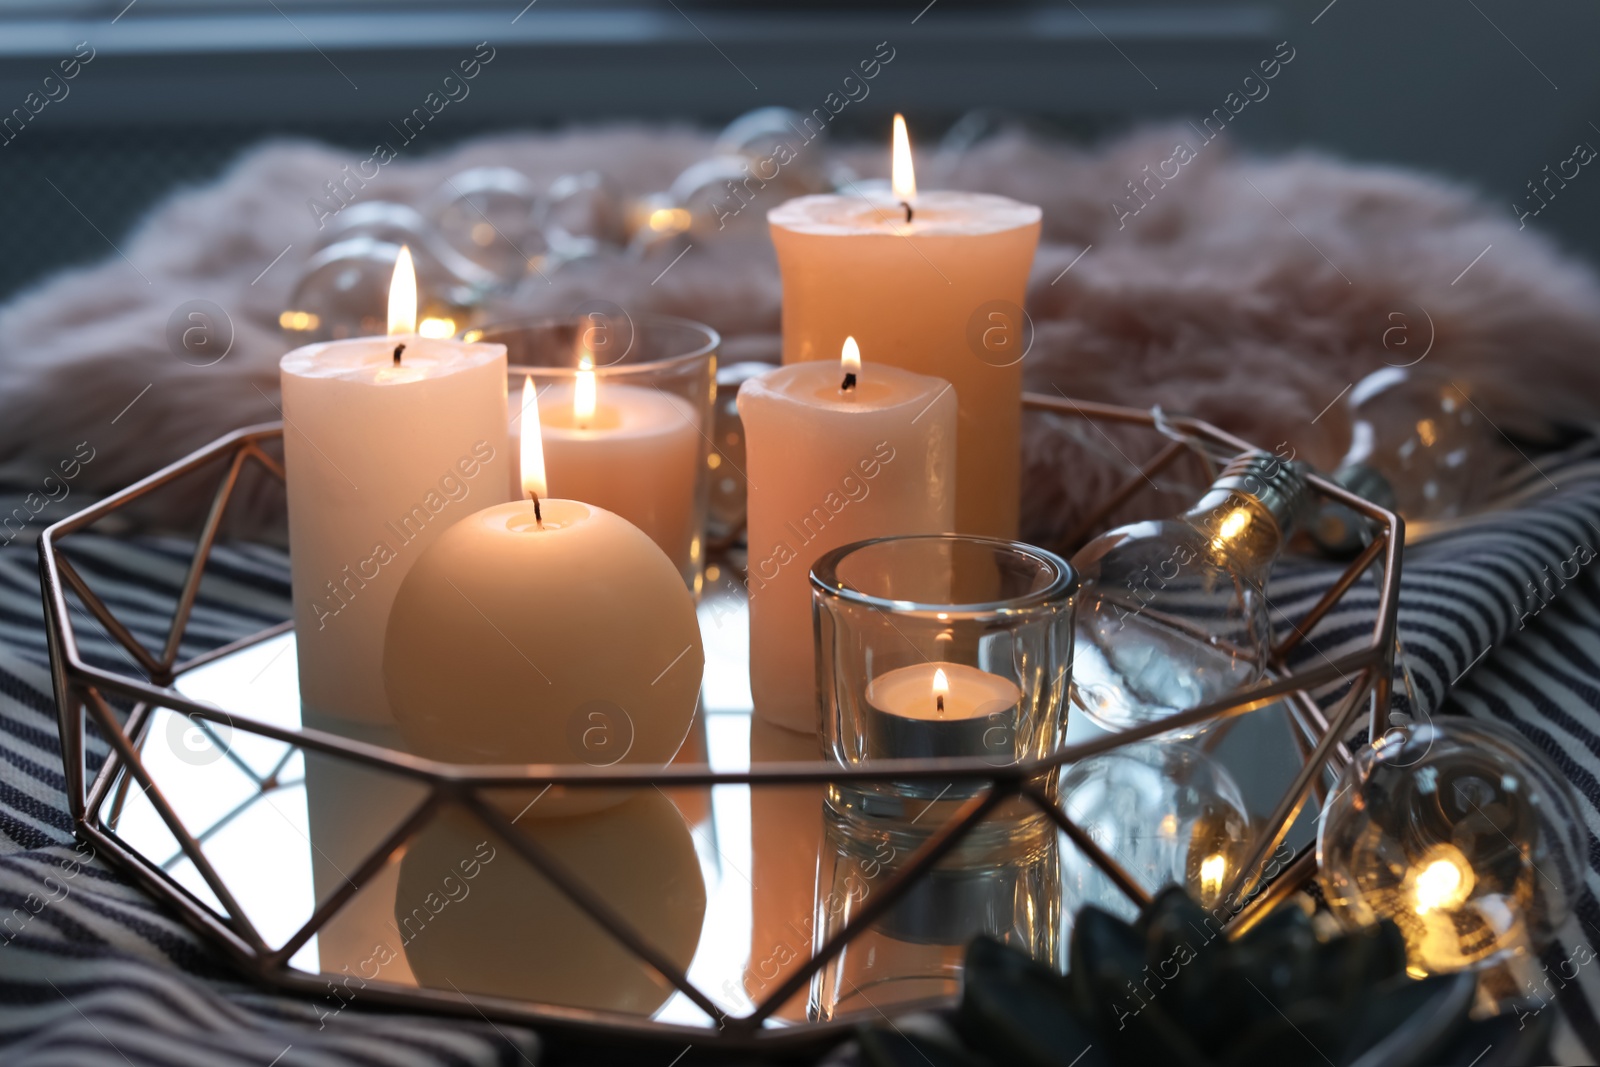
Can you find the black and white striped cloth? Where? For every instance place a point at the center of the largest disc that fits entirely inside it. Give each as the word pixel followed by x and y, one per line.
pixel 1500 619
pixel 94 972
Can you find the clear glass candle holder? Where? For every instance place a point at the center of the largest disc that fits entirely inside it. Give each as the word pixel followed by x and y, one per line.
pixel 625 411
pixel 940 647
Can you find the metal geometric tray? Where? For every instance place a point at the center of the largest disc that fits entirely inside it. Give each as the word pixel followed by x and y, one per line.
pixel 210 761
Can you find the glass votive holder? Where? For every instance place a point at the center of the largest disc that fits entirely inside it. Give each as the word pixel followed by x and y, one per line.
pixel 625 407
pixel 940 647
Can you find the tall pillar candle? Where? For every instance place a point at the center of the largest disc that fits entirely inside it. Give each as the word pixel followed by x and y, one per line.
pixel 933 284
pixel 382 453
pixel 828 465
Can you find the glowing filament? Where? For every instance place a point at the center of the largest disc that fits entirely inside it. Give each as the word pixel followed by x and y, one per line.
pixel 903 175
pixel 1444 883
pixel 1212 869
pixel 1236 522
pixel 584 389
pixel 403 295
pixel 533 480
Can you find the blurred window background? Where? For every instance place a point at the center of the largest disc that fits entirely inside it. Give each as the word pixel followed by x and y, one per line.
pixel 1486 91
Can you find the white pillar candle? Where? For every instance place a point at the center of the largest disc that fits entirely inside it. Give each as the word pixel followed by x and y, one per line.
pixel 382 454
pixel 827 466
pixel 632 450
pixel 544 631
pixel 941 710
pixel 941 294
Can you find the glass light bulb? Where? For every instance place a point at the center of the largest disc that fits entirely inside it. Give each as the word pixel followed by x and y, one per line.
pixel 1173 613
pixel 1466 839
pixel 1166 811
pixel 1418 445
pixel 487 215
pixel 343 291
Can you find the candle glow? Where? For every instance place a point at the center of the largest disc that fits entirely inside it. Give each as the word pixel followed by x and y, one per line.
pixel 903 176
pixel 850 363
pixel 533 478
pixel 941 688
pixel 850 356
pixel 403 295
pixel 584 400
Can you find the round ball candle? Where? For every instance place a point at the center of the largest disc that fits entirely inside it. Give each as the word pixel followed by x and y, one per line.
pixel 833 455
pixel 544 631
pixel 932 283
pixel 631 450
pixel 386 441
pixel 942 710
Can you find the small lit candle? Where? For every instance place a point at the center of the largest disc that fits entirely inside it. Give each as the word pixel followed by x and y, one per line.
pixel 632 450
pixel 387 441
pixel 544 631
pixel 931 282
pixel 932 710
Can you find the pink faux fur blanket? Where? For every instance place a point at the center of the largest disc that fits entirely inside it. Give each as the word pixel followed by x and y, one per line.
pixel 1250 292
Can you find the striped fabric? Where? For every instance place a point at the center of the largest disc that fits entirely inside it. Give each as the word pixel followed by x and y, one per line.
pixel 91 970
pixel 1500 619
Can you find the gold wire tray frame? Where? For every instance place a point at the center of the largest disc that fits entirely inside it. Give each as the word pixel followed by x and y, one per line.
pixel 82 694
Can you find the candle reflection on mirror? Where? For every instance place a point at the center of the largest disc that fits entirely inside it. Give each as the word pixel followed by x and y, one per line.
pixel 507 931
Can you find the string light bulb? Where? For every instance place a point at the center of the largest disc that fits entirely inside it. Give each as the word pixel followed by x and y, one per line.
pixel 1174 613
pixel 1465 838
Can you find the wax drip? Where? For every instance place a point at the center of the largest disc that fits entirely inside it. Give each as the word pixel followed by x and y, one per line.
pixel 907 205
pixel 399 348
pixel 849 382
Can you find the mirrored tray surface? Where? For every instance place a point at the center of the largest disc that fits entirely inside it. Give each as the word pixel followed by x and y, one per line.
pixel 733 884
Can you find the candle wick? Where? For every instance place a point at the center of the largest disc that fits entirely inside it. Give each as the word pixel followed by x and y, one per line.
pixel 849 382
pixel 938 703
pixel 907 205
pixel 538 515
pixel 399 348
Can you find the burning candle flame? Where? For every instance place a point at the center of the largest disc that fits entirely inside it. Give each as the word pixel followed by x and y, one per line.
pixel 903 175
pixel 403 295
pixel 941 688
pixel 850 356
pixel 533 479
pixel 583 390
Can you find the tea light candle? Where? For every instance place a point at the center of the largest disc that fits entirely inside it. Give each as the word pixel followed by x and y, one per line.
pixel 932 283
pixel 833 455
pixel 386 441
pixel 544 631
pixel 631 450
pixel 941 710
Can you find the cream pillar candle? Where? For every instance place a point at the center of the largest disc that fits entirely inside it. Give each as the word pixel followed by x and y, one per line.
pixel 631 450
pixel 544 631
pixel 829 465
pixel 932 283
pixel 382 452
